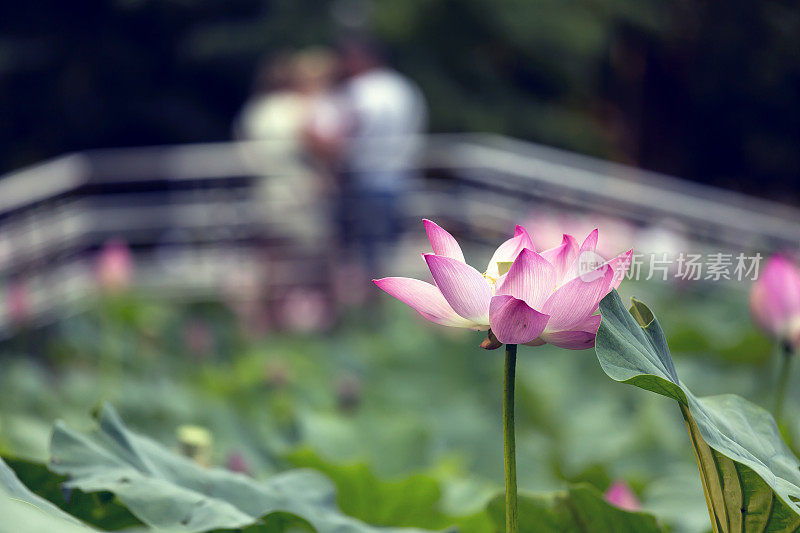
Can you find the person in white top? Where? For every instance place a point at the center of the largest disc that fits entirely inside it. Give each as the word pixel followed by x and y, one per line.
pixel 383 115
pixel 294 96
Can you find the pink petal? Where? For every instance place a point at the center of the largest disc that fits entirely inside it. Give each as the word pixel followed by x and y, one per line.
pixel 527 242
pixel 620 266
pixel 763 313
pixel 580 338
pixel 570 340
pixel 442 242
pixel 536 342
pixel 508 251
pixel 576 301
pixel 562 257
pixel 590 243
pixel 587 258
pixel 425 298
pixel 513 321
pixel 782 281
pixel 464 288
pixel 589 325
pixel 620 495
pixel 530 278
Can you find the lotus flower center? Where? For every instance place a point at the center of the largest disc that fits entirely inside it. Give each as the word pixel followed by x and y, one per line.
pixel 502 269
pixel 490 280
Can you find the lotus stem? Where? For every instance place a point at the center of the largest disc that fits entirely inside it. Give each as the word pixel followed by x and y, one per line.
pixel 512 510
pixel 783 379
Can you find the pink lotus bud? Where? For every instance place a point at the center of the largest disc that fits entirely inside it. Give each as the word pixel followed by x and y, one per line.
pixel 18 303
pixel 237 463
pixel 775 300
pixel 524 297
pixel 114 269
pixel 619 494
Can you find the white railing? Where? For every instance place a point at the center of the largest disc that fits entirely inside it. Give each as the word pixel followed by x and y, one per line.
pixel 188 209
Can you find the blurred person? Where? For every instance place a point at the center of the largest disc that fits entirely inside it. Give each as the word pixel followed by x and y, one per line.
pixel 271 111
pixel 293 94
pixel 375 154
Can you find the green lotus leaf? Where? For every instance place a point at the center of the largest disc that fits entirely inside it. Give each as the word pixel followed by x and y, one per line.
pixel 750 478
pixel 580 509
pixel 411 501
pixel 22 510
pixel 99 510
pixel 167 491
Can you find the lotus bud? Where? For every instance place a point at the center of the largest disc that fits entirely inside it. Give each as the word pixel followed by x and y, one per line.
pixel 775 300
pixel 114 269
pixel 619 494
pixel 237 463
pixel 195 442
pixel 18 303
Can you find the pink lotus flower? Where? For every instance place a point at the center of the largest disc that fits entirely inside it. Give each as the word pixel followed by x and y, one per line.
pixel 620 495
pixel 114 267
pixel 525 297
pixel 775 300
pixel 18 303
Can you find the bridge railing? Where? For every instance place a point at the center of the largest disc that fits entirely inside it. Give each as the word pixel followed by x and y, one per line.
pixel 198 218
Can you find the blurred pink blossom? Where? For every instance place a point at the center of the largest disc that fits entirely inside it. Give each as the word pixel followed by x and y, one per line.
pixel 114 268
pixel 244 292
pixel 237 463
pixel 524 297
pixel 619 494
pixel 18 303
pixel 348 284
pixel 617 233
pixel 775 300
pixel 306 311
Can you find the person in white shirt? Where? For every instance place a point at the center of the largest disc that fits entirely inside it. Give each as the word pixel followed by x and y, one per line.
pixel 384 115
pixel 294 96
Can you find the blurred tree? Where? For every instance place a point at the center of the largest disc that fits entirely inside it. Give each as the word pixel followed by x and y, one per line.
pixel 704 90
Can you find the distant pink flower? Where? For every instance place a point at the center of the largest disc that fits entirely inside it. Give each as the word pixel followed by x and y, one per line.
pixel 620 495
pixel 306 311
pixel 115 266
pixel 775 300
pixel 237 463
pixel 18 303
pixel 523 296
